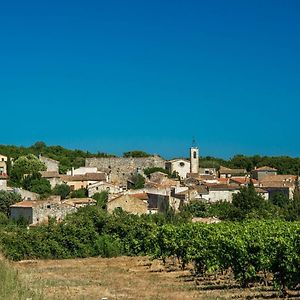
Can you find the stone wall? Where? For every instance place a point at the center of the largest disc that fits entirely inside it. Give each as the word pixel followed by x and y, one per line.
pixel 122 168
pixel 51 164
pixel 129 204
pixel 42 212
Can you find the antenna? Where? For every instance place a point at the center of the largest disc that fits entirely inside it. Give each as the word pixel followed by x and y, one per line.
pixel 194 142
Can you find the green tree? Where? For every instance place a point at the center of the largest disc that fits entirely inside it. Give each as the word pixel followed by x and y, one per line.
pixel 80 193
pixel 136 153
pixel 138 181
pixel 101 199
pixel 149 171
pixel 280 200
pixel 6 200
pixel 62 190
pixel 247 200
pixel 40 186
pixel 26 165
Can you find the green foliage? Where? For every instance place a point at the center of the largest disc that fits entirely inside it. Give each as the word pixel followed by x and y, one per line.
pixel 67 158
pixel 138 181
pixel 149 171
pixel 6 200
pixel 80 193
pixel 3 219
pixel 280 200
pixel 247 200
pixel 136 153
pixel 40 186
pixel 28 165
pixel 62 190
pixel 251 249
pixel 101 199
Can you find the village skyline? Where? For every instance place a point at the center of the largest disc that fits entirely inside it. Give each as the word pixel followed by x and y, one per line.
pixel 105 76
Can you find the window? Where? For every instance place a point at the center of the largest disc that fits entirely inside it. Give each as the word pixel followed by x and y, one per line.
pixel 49 206
pixel 194 154
pixel 181 164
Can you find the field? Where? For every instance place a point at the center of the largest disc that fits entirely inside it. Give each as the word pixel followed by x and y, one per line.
pixel 129 278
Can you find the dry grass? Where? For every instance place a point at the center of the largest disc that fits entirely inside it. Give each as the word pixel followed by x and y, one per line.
pixel 129 278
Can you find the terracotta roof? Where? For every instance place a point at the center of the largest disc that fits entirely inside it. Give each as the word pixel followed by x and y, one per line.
pixel 3 176
pixel 85 177
pixel 223 180
pixel 31 203
pixel 216 187
pixel 243 180
pixel 278 184
pixel 265 168
pixel 279 178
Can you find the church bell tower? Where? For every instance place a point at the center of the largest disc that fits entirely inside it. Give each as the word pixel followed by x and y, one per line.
pixel 194 158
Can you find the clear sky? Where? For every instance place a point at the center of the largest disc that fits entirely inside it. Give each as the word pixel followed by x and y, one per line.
pixel 120 75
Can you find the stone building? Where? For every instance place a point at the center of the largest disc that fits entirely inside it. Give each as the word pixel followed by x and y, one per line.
pixel 83 181
pixel 181 166
pixel 260 173
pixel 51 164
pixel 3 182
pixel 220 192
pixel 53 177
pixel 228 173
pixel 3 165
pixel 101 186
pixel 120 169
pixel 26 195
pixel 194 158
pixel 134 204
pixel 37 212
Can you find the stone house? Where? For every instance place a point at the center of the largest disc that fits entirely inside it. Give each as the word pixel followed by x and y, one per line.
pixel 273 182
pixel 101 186
pixel 181 166
pixel 220 192
pixel 83 181
pixel 161 200
pixel 53 177
pixel 134 204
pixel 3 165
pixel 228 173
pixel 37 212
pixel 260 173
pixel 3 182
pixel 82 171
pixel 208 171
pixel 26 195
pixel 51 164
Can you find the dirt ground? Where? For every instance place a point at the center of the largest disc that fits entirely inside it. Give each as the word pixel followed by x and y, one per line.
pixel 129 278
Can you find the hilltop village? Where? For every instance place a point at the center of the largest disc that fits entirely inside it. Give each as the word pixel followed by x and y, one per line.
pixel 139 185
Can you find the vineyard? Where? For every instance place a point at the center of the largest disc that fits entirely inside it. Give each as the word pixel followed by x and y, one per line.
pixel 256 252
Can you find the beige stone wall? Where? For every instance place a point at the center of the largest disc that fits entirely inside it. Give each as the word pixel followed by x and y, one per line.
pixel 52 165
pixel 129 204
pixel 122 168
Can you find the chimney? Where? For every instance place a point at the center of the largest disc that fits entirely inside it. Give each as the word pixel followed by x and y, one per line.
pixel 72 171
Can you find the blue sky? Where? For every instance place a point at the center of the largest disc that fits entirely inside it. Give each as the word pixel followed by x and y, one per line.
pixel 119 75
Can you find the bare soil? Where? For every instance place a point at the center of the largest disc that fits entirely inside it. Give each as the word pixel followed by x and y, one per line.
pixel 130 278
